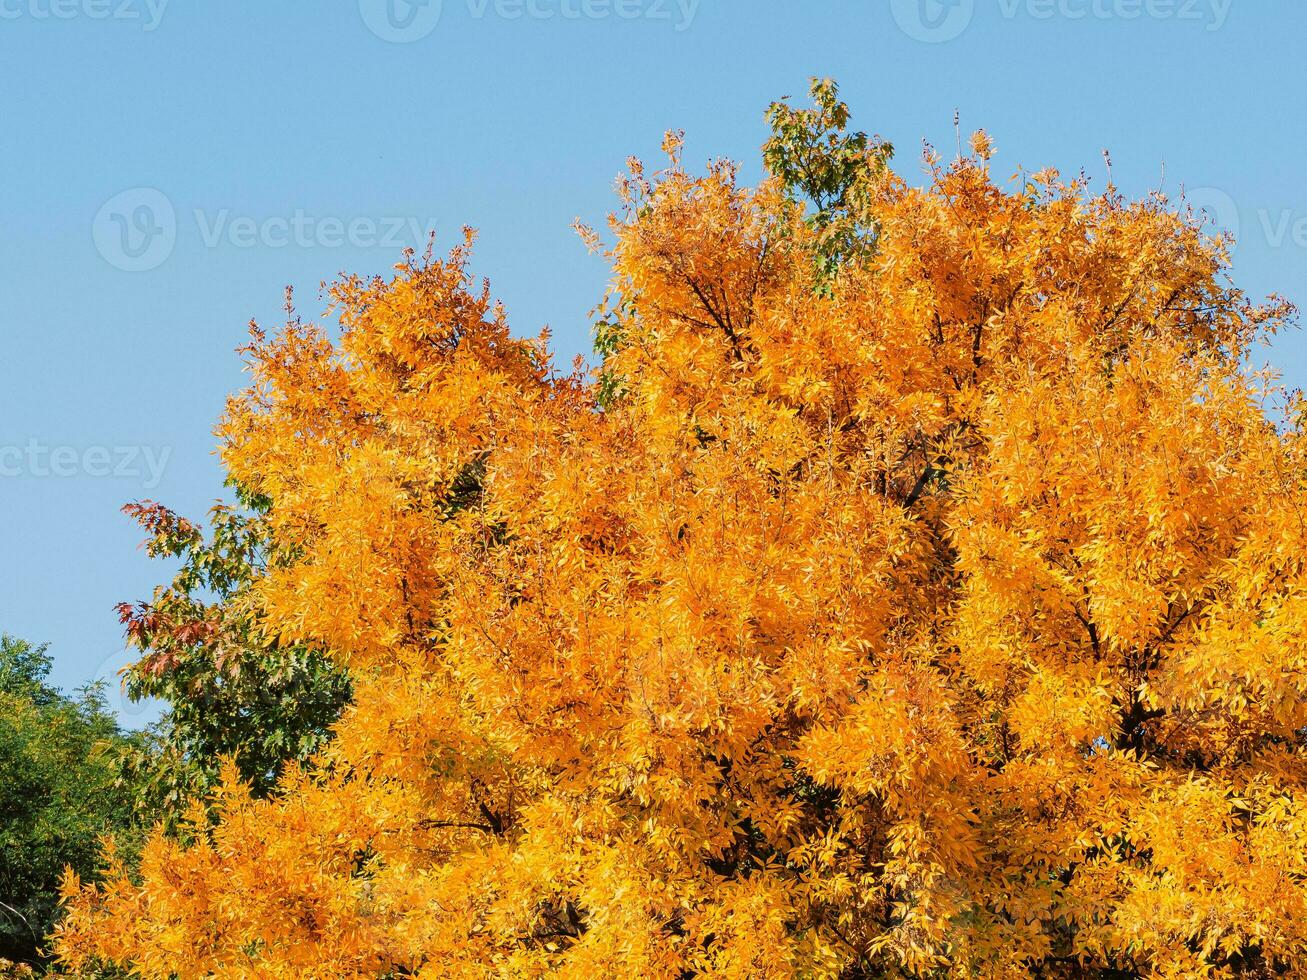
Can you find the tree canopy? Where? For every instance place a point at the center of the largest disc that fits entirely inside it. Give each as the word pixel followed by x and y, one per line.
pixel 924 597
pixel 59 793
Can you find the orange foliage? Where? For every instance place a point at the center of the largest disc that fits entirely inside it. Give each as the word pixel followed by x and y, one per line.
pixel 951 620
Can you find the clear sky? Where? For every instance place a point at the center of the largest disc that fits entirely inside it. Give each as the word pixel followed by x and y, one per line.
pixel 171 165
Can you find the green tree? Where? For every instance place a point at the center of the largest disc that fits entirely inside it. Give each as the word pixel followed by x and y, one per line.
pixel 829 172
pixel 232 690
pixel 60 791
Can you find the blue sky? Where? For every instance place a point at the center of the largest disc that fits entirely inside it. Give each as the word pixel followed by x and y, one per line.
pixel 171 165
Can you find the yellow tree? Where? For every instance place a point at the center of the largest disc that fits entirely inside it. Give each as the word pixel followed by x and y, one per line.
pixel 917 590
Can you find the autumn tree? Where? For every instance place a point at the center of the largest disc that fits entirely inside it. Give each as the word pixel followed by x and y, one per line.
pixel 942 613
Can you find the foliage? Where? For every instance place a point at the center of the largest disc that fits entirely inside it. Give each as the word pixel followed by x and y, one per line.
pixel 825 171
pixel 58 793
pixel 832 172
pixel 233 690
pixel 947 620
